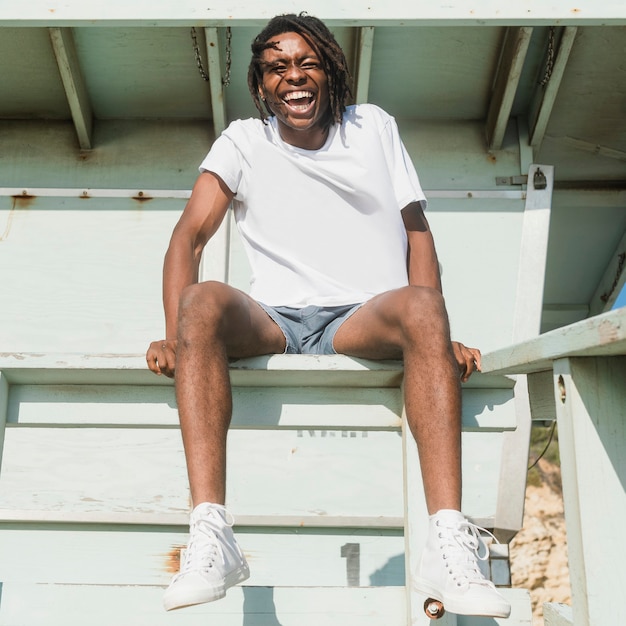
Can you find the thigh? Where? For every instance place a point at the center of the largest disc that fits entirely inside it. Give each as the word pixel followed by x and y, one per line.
pixel 384 325
pixel 239 321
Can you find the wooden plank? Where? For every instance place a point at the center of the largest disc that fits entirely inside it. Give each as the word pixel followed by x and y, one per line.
pixel 612 282
pixel 142 470
pixel 138 475
pixel 149 555
pixel 507 79
pixel 365 48
pixel 295 369
pixel 547 94
pixel 602 335
pixel 250 13
pixel 253 407
pixel 527 322
pixel 74 84
pixel 557 614
pixel 74 605
pixel 592 435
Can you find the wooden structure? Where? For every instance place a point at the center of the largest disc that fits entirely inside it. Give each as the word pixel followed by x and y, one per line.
pixel 584 366
pixel 104 118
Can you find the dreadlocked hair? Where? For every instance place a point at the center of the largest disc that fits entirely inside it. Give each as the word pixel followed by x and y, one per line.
pixel 319 37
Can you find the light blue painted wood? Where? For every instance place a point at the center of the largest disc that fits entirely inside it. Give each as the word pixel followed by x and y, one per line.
pixel 43 605
pixel 115 554
pixel 557 614
pixel 256 407
pixel 249 12
pixel 46 605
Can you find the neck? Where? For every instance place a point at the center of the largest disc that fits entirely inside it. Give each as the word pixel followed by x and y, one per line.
pixel 313 139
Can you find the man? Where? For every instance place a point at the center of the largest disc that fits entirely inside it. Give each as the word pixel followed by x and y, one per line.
pixel 329 208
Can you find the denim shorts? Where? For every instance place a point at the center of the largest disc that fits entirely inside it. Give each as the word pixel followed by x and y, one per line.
pixel 310 330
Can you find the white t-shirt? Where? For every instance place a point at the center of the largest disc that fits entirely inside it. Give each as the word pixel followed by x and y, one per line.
pixel 320 227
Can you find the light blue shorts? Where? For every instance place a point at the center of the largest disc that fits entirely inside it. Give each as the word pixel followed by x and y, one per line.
pixel 310 330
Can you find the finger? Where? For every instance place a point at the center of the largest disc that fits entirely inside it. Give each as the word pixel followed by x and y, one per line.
pixel 152 361
pixel 477 359
pixel 167 360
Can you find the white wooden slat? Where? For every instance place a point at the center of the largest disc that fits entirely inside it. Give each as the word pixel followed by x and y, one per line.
pixel 143 470
pixel 253 407
pixel 125 369
pixel 295 370
pixel 75 605
pixel 110 555
pixel 93 474
pixel 602 335
pixel 249 12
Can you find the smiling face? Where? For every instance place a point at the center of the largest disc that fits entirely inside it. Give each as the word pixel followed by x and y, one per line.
pixel 295 88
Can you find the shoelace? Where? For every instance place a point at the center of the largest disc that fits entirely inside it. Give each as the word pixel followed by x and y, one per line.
pixel 204 547
pixel 461 544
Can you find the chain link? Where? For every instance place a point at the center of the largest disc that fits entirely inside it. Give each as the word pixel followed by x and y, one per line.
pixel 198 56
pixel 550 58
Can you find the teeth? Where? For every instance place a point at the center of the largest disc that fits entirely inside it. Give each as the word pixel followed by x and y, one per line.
pixel 296 95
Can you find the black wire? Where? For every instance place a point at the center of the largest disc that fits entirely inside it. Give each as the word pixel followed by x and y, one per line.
pixel 547 446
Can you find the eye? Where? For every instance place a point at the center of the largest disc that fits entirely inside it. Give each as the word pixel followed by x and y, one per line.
pixel 310 65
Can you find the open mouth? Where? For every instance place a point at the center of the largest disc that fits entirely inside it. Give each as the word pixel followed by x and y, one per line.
pixel 299 101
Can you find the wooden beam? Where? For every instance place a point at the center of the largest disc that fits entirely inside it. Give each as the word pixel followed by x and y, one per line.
pixel 355 13
pixel 364 64
pixel 612 281
pixel 602 335
pixel 218 97
pixel 591 418
pixel 526 324
pixel 514 50
pixel 546 96
pixel 73 83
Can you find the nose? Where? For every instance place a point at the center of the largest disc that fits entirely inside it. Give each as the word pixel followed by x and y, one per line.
pixel 295 74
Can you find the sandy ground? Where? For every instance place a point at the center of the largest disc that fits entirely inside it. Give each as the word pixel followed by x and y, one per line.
pixel 539 551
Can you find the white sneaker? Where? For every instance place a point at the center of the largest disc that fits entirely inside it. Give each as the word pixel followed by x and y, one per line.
pixel 449 570
pixel 213 561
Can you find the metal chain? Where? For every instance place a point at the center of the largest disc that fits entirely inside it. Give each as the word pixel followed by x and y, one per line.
pixel 550 58
pixel 198 56
pixel 229 36
pixel 196 51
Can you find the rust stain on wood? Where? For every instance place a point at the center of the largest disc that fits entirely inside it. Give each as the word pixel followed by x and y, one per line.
pixel 172 559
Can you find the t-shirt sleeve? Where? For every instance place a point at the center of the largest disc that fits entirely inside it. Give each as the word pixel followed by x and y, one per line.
pixel 223 160
pixel 406 184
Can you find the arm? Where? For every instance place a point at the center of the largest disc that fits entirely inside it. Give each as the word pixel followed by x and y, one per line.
pixel 422 263
pixel 203 214
pixel 423 270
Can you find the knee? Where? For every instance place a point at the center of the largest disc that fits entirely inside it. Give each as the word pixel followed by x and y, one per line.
pixel 425 302
pixel 201 305
pixel 425 313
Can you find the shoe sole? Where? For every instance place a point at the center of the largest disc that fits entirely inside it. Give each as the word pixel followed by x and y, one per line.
pixel 461 607
pixel 209 594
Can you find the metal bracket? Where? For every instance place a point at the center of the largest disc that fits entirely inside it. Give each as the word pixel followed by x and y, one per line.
pixel 512 180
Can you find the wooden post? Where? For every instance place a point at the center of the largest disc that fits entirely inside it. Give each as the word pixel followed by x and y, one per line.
pixel 591 411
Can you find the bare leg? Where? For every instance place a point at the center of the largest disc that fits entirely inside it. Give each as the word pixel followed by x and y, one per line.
pixel 412 323
pixel 215 322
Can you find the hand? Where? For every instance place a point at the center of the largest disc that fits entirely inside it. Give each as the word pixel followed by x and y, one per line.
pixel 161 357
pixel 468 360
